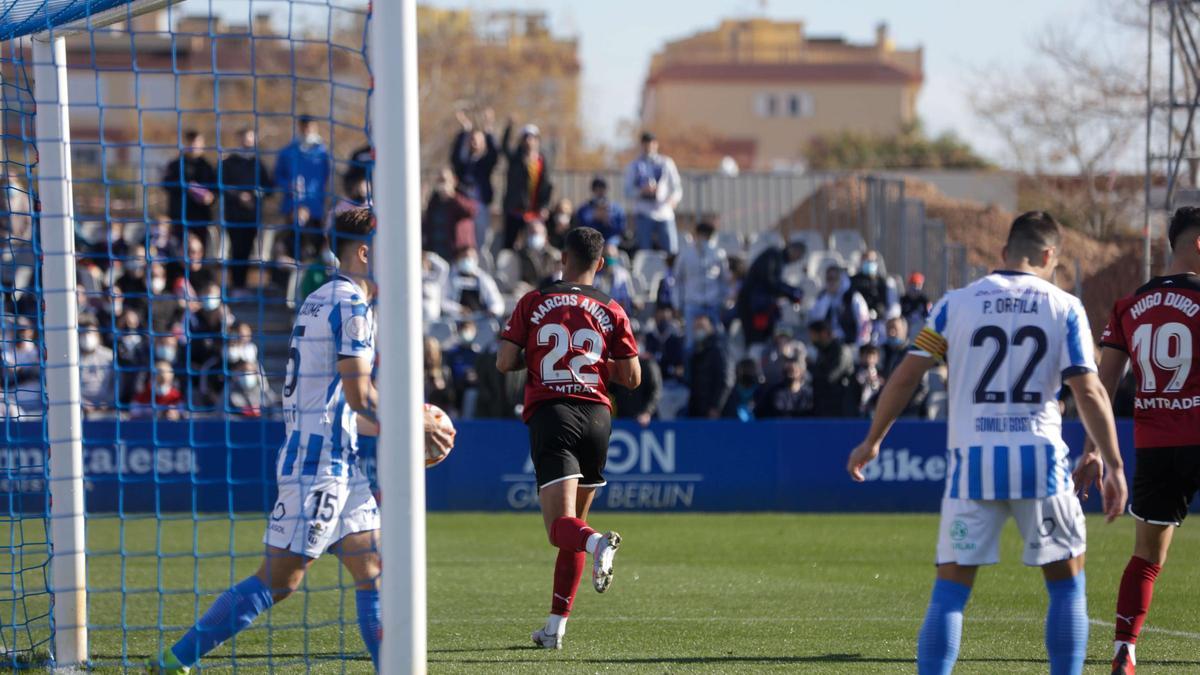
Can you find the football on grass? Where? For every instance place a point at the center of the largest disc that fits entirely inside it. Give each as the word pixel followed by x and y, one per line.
pixel 435 416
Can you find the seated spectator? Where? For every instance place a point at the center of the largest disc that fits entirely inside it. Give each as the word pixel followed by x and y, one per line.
pixel 449 221
pixel 198 272
pixel 132 281
pixel 439 388
pixel 241 348
pixel 21 362
pixel 640 404
pixel 470 290
pixel 96 387
pixel 603 215
pixel 248 390
pixel 709 377
pixel 207 320
pixel 166 308
pixel 878 291
pixel 665 343
pixel 791 397
pixel 461 360
pixel 559 221
pixel 868 380
pixel 914 304
pixel 501 395
pixel 538 260
pixel 616 281
pixel 701 277
pixel 831 369
pixel 743 398
pixel 843 309
pixel 166 348
pixel 895 345
pixel 781 350
pixel 435 277
pixel 763 289
pixel 133 354
pixel 159 395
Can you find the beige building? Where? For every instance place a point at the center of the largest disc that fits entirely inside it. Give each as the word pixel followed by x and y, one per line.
pixel 763 89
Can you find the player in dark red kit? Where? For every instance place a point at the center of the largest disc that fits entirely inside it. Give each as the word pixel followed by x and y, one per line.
pixel 1158 329
pixel 574 339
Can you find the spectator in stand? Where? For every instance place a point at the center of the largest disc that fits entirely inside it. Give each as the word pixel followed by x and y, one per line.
pixel 895 345
pixel 783 348
pixel 473 156
pixel 791 397
pixel 166 308
pixel 361 166
pixel 501 395
pixel 758 299
pixel 356 194
pixel 843 308
pixel 832 368
pixel 439 389
pixel 449 223
pixel 652 183
pixel 615 280
pixel 702 278
pixel 132 282
pixel 665 343
pixel 470 290
pixel 878 291
pixel 743 398
pixel 21 366
pixel 205 333
pixel 527 190
pixel 641 403
pixel 95 368
pixel 558 223
pixel 166 348
pixel 537 259
pixel 868 380
pixel 602 215
pixel 914 304
pixel 248 390
pixel 133 354
pixel 245 183
pixel 190 182
pixel 159 395
pixel 709 377
pixel 461 359
pixel 241 348
pixel 197 272
pixel 435 278
pixel 302 176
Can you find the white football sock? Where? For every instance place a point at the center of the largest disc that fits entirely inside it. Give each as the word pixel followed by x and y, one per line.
pixel 1117 648
pixel 593 543
pixel 556 625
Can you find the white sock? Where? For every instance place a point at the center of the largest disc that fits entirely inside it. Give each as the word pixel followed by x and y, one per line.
pixel 556 625
pixel 593 543
pixel 1117 648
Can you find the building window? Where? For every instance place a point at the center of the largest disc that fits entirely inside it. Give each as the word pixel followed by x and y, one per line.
pixel 800 104
pixel 768 105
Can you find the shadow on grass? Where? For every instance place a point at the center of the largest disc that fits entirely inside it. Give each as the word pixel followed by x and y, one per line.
pixel 733 659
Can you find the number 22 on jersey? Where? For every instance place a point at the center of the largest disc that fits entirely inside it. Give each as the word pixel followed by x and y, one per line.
pixel 561 341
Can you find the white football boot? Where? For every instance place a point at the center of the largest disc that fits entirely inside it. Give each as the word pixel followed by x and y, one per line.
pixel 602 561
pixel 547 640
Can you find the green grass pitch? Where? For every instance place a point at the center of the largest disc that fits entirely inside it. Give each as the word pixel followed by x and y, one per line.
pixel 693 593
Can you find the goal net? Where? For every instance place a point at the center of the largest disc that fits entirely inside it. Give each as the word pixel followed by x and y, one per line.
pixel 169 171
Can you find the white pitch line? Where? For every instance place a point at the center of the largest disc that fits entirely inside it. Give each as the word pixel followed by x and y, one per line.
pixel 1151 629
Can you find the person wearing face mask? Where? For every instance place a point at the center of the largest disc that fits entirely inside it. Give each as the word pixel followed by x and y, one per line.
pixel 843 308
pixel 241 349
pixel 538 260
pixel 95 369
pixel 527 191
pixel 791 397
pixel 470 290
pixel 460 358
pixel 895 347
pixel 190 182
pixel 743 398
pixel 247 390
pixel 132 282
pixel 207 319
pixel 614 278
pixel 160 396
pixel 302 177
pixel 558 223
pixel 709 377
pixel 914 304
pixel 133 354
pixel 878 291
pixel 448 223
pixel 166 308
pixel 599 213
pixel 665 344
pixel 701 278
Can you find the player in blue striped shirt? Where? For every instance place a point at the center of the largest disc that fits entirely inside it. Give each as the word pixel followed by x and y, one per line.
pixel 1010 340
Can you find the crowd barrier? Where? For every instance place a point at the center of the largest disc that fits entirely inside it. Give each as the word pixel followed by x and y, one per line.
pixel 228 466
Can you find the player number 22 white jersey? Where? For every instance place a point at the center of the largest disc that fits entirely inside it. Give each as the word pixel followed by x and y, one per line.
pixel 334 322
pixel 1009 340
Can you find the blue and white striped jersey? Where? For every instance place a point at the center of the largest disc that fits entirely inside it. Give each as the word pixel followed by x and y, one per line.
pixel 334 322
pixel 1009 340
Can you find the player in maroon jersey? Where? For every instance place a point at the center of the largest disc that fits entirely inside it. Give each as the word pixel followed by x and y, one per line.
pixel 1157 329
pixel 574 338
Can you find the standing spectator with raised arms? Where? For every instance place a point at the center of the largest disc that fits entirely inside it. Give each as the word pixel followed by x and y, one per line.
pixel 527 191
pixel 473 156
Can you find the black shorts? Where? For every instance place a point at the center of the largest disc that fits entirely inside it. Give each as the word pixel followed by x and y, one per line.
pixel 569 439
pixel 1164 482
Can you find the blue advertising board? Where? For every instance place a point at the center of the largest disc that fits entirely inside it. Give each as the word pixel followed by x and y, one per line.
pixel 228 466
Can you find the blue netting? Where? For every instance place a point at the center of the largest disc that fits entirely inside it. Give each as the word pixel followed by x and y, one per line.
pixel 193 252
pixel 23 17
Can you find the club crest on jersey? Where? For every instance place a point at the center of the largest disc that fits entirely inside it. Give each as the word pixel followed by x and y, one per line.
pixel 357 328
